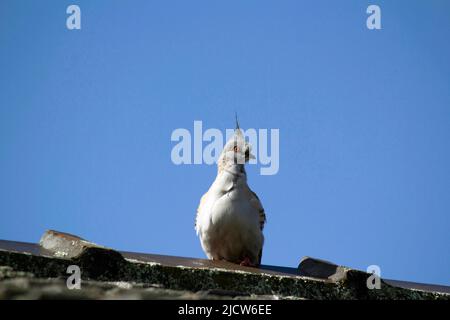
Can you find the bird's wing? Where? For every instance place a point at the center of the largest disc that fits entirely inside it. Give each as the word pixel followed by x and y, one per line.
pixel 199 209
pixel 256 203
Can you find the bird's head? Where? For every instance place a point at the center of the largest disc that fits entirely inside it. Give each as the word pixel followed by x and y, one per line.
pixel 236 152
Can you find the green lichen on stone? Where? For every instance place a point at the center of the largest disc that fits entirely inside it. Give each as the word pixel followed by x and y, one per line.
pixel 9 273
pixel 41 267
pixel 108 266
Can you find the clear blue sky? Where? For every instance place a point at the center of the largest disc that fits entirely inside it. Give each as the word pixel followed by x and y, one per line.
pixel 364 118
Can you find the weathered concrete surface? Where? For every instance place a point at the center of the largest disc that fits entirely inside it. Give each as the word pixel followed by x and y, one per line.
pixel 317 268
pixel 102 269
pixel 65 245
pixel 24 285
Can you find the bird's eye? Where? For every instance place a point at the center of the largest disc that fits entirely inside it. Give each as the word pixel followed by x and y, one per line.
pixel 236 149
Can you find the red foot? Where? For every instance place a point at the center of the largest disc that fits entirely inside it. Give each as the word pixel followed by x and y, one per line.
pixel 247 262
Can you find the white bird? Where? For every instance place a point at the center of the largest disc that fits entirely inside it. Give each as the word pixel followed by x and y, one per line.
pixel 230 218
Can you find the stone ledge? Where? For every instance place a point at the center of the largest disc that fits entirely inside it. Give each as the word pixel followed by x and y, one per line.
pixel 202 279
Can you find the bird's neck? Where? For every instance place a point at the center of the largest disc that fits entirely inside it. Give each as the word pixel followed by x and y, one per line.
pixel 233 169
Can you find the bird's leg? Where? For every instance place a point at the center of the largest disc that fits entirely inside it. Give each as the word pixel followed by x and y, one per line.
pixel 247 262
